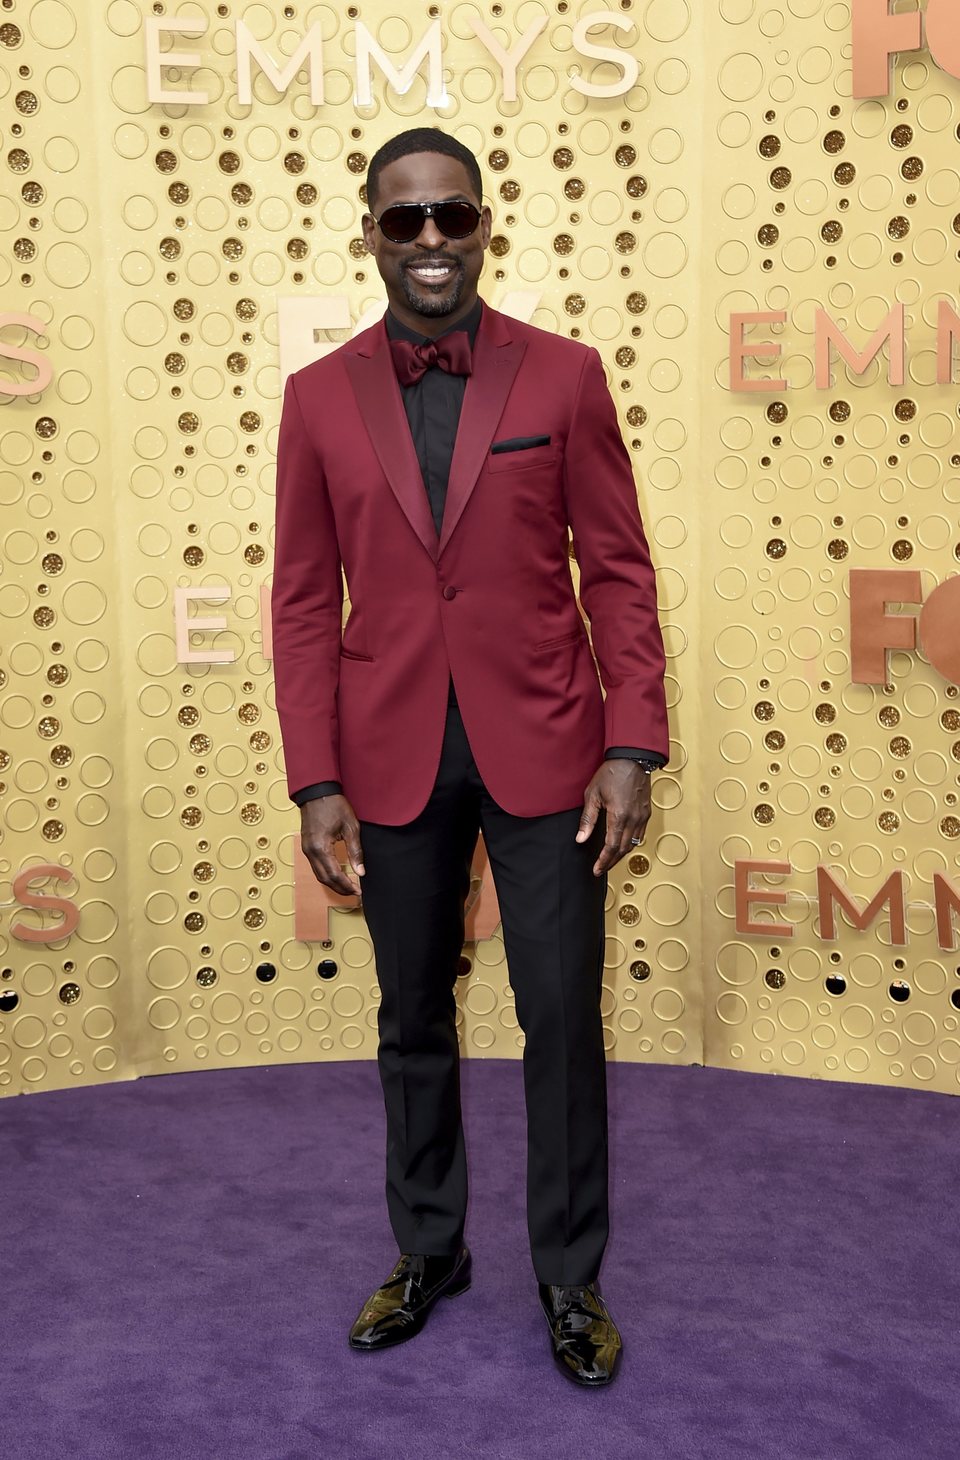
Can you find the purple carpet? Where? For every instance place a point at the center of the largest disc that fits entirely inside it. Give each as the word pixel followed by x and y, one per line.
pixel 184 1254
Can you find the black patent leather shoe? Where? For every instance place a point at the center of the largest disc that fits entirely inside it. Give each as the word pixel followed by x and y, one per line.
pixel 586 1341
pixel 400 1308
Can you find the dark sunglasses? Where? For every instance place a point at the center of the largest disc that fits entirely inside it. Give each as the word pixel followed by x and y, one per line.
pixel 403 223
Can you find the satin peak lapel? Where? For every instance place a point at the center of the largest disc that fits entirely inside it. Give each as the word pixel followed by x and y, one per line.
pixel 374 382
pixel 496 360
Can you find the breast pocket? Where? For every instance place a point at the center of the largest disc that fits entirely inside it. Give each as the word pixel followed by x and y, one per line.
pixel 508 456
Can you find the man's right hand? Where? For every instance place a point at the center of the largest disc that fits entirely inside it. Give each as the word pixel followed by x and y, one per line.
pixel 323 821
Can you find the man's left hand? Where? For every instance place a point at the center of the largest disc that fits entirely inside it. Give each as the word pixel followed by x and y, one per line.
pixel 622 788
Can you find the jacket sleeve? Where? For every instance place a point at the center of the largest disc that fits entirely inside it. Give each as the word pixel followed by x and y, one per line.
pixel 305 606
pixel 618 587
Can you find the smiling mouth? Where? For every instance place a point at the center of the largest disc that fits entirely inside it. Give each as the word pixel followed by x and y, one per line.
pixel 436 271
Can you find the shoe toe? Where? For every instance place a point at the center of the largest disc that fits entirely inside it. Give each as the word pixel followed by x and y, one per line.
pixel 588 1362
pixel 399 1309
pixel 587 1366
pixel 586 1341
pixel 383 1330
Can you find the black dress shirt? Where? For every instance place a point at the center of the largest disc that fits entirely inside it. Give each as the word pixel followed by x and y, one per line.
pixel 432 405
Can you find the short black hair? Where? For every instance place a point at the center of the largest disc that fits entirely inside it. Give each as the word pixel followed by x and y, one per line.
pixel 421 139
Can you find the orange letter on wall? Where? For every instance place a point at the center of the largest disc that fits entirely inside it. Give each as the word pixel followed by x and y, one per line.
pixel 628 64
pixel 483 909
pixel 508 61
pixel 942 25
pixel 30 357
pixel 760 349
pixel 745 895
pixel 939 619
pixel 827 332
pixel 876 35
pixel 313 900
pixel 183 623
pixel 266 622
pixel 948 328
pixel 43 902
pixel 829 891
pixel 946 900
pixel 158 60
pixel 872 630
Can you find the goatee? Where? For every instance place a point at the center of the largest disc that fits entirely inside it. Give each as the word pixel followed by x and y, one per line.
pixel 431 305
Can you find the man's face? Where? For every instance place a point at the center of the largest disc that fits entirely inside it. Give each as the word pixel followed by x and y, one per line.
pixel 431 282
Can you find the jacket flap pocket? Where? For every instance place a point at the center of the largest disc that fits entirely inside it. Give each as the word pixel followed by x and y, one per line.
pixel 518 443
pixel 541 451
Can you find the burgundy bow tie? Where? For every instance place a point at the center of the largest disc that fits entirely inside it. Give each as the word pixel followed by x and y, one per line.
pixel 450 352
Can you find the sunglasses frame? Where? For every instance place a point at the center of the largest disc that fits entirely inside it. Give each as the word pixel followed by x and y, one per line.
pixel 429 210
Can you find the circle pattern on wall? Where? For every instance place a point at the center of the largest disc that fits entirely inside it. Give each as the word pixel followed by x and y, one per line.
pixel 160 255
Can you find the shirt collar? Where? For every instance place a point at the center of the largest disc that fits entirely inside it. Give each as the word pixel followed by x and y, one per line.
pixel 470 322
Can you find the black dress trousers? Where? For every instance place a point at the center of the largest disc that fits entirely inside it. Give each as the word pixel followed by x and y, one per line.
pixel 414 893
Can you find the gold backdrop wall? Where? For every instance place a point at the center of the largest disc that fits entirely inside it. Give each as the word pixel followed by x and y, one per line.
pixel 165 263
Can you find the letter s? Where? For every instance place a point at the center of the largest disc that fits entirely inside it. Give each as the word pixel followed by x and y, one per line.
pixel 44 903
pixel 628 64
pixel 14 352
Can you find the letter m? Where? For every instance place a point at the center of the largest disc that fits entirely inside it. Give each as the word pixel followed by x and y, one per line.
pixel 830 891
pixel 309 52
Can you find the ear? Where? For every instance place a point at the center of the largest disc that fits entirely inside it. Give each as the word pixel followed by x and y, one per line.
pixel 369 226
pixel 486 226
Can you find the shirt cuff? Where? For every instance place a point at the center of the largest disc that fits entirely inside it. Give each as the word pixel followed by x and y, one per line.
pixel 629 752
pixel 319 788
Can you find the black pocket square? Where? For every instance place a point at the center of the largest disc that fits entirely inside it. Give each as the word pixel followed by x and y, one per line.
pixel 519 443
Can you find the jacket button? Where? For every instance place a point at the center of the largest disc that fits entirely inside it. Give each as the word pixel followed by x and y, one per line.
pixel 449 592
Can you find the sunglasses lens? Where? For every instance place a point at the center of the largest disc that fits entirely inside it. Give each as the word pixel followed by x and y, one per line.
pixel 402 223
pixel 456 220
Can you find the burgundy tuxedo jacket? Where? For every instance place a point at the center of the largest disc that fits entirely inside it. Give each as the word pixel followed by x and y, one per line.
pixel 490 601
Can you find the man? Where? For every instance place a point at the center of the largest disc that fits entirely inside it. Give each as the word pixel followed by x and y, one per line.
pixel 439 458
